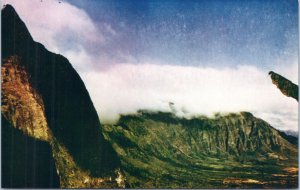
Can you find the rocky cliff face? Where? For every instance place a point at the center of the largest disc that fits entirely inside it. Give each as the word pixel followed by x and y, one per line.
pixel 21 104
pixel 26 161
pixel 235 150
pixel 44 97
pixel 284 85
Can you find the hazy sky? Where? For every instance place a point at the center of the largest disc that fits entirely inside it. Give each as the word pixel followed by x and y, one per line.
pixel 214 33
pixel 205 56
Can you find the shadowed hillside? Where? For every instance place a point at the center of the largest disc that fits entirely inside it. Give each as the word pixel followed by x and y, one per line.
pixel 44 97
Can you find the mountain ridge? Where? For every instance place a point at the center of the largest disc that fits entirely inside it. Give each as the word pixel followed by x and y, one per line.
pixel 45 102
pixel 160 150
pixel 63 105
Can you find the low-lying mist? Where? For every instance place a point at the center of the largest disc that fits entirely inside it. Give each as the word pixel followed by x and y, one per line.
pixel 191 91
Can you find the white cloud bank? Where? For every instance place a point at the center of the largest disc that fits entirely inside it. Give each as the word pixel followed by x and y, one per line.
pixel 125 88
pixel 53 23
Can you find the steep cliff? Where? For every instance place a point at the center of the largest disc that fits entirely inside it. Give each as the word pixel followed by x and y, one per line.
pixel 44 97
pixel 26 162
pixel 236 150
pixel 284 85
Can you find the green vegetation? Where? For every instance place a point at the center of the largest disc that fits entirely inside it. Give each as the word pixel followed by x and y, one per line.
pixel 160 150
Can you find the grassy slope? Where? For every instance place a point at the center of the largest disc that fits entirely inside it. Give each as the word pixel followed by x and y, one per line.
pixel 163 151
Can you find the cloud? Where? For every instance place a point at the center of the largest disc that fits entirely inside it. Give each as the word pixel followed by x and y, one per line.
pixel 56 25
pixel 124 88
pixel 193 90
pixel 289 69
pixel 65 29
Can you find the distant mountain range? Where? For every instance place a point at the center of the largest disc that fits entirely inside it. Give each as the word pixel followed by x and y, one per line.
pixel 52 137
pixel 292 133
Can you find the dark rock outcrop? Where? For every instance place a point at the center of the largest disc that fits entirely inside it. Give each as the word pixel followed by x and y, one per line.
pixel 284 85
pixel 50 81
pixel 26 162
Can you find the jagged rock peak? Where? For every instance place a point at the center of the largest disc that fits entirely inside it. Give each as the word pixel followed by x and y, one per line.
pixel 66 109
pixel 287 87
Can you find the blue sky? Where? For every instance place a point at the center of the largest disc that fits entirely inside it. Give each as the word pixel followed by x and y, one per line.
pixel 204 56
pixel 207 33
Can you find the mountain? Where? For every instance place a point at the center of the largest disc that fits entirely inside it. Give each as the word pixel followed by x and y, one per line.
pixel 161 150
pixel 44 98
pixel 51 135
pixel 284 85
pixel 26 161
pixel 292 137
pixel 291 133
